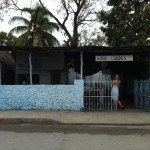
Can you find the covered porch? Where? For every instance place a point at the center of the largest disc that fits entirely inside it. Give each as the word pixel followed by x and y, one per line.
pixel 80 63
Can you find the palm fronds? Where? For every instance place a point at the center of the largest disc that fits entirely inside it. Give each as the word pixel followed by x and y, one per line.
pixel 38 28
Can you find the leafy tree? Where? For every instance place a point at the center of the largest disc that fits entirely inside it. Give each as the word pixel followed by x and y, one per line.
pixel 6 39
pixel 78 13
pixel 4 4
pixel 37 31
pixel 95 39
pixel 74 17
pixel 127 23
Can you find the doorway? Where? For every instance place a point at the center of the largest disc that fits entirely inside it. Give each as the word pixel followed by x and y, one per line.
pixel 126 73
pixel 55 78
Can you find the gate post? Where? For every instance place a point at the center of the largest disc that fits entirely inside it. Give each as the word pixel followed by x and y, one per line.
pixel 149 65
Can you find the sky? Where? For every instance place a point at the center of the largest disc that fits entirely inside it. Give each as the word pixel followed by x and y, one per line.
pixel 4 26
pixel 22 4
pixel 52 5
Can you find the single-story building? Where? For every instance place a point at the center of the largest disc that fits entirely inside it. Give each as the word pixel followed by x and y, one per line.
pixel 62 65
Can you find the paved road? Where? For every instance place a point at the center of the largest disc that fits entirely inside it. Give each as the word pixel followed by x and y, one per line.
pixel 74 137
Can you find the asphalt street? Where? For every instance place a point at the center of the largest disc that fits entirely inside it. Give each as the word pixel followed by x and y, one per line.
pixel 74 137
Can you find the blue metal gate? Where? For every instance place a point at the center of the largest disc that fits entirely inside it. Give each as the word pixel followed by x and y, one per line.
pixel 142 95
pixel 97 95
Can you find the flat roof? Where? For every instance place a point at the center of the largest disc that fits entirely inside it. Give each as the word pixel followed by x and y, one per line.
pixel 103 49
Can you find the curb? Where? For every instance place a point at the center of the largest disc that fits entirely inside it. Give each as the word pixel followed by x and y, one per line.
pixel 54 122
pixel 28 121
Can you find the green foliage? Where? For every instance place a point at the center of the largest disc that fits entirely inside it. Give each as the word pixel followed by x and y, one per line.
pixel 99 40
pixel 127 23
pixel 7 39
pixel 37 31
pixel 95 39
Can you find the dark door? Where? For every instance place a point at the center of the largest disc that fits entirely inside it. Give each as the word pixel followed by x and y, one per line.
pixel 55 78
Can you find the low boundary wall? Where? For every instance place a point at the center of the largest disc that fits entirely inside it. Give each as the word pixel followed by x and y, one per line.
pixel 45 97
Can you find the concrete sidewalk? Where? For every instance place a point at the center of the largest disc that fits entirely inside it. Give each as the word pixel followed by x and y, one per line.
pixel 127 117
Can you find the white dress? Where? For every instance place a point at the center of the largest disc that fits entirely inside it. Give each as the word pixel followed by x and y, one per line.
pixel 115 92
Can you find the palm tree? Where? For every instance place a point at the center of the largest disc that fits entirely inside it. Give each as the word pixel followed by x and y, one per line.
pixel 6 39
pixel 36 32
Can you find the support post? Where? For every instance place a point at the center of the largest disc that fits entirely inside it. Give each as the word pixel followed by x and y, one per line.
pixel 149 65
pixel 30 63
pixel 81 65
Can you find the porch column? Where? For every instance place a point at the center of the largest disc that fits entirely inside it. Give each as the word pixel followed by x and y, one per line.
pixel 30 63
pixel 81 65
pixel 0 73
pixel 149 65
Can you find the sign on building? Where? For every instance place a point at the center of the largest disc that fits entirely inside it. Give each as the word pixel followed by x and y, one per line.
pixel 114 58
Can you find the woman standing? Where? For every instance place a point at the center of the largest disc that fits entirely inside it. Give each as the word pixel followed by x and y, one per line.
pixel 115 92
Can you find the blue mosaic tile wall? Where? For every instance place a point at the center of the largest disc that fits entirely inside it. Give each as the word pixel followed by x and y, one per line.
pixel 45 97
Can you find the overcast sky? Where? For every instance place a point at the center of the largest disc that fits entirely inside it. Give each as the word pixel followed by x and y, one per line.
pixel 4 26
pixel 52 6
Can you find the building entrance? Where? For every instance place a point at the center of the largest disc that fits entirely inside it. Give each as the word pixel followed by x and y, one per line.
pixel 126 73
pixel 129 71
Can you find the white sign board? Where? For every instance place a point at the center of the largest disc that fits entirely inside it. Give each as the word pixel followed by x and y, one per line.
pixel 114 58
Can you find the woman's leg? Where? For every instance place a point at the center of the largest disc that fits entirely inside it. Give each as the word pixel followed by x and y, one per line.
pixel 115 105
pixel 120 105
